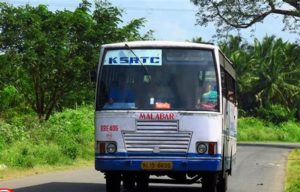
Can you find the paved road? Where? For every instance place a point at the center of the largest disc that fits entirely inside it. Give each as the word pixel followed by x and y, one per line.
pixel 257 169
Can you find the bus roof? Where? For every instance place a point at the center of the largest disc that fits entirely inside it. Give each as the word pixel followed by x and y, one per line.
pixel 160 44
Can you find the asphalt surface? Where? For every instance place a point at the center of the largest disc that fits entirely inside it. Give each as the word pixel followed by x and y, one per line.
pixel 258 168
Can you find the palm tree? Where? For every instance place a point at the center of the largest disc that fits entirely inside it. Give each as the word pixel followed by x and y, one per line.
pixel 267 72
pixel 276 71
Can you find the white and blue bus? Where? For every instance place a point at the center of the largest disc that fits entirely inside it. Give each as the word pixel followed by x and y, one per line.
pixel 166 112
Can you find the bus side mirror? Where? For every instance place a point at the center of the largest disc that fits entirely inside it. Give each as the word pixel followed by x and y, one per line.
pixel 93 76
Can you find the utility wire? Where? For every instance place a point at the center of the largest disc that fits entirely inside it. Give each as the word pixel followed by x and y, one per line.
pixel 158 9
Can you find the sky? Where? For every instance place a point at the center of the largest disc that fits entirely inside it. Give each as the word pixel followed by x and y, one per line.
pixel 171 19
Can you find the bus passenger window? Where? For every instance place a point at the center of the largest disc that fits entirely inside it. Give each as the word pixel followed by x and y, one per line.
pixel 120 94
pixel 230 84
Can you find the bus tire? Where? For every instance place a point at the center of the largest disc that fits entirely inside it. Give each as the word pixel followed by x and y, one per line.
pixel 222 182
pixel 128 181
pixel 113 181
pixel 142 181
pixel 209 182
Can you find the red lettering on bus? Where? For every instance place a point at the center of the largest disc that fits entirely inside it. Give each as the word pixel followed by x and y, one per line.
pixel 142 116
pixel 106 128
pixel 157 116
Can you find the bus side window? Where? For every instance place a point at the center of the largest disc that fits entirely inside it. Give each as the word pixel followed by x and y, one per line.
pixel 228 86
pixel 231 92
pixel 224 87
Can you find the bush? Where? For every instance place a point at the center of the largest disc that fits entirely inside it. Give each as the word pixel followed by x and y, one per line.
pixel 73 131
pixel 294 188
pixel 26 142
pixel 276 114
pixel 9 97
pixel 254 129
pixel 70 149
pixel 50 154
pixel 10 133
pixel 19 155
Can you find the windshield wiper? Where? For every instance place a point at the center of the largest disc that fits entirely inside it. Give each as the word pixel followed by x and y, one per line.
pixel 144 66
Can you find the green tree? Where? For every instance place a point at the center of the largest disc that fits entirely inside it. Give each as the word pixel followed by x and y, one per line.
pixel 267 72
pixel 232 14
pixel 54 51
pixel 276 69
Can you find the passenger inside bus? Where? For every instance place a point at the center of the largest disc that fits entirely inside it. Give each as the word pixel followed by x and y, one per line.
pixel 209 97
pixel 120 92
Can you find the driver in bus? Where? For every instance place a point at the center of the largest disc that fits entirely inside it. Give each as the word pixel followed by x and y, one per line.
pixel 161 91
pixel 209 98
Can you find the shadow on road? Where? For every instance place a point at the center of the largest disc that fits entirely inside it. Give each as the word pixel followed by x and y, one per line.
pixel 91 187
pixel 64 187
pixel 174 189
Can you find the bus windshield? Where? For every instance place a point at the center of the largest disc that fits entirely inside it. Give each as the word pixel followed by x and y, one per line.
pixel 158 79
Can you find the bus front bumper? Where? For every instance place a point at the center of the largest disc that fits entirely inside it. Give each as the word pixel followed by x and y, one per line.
pixel 165 165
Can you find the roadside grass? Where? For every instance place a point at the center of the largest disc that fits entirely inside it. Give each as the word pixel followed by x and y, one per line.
pixel 293 172
pixel 15 172
pixel 65 140
pixel 257 130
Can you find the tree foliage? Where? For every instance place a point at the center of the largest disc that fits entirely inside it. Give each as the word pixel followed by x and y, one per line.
pixel 233 14
pixel 47 55
pixel 268 72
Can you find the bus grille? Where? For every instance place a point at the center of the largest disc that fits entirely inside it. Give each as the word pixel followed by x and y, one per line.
pixel 156 137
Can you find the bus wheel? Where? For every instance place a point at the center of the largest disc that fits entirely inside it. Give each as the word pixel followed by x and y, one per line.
pixel 128 181
pixel 209 183
pixel 113 181
pixel 222 183
pixel 142 181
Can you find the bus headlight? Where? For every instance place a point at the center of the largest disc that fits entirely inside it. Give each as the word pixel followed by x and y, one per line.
pixel 111 147
pixel 103 147
pixel 201 148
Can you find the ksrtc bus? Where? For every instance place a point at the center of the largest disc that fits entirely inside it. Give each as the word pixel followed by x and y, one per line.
pixel 165 112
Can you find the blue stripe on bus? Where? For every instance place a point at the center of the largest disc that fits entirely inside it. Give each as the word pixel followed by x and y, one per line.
pixel 183 164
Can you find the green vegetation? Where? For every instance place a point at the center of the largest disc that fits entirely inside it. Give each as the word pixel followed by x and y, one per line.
pixel 64 139
pixel 293 172
pixel 46 56
pixel 254 129
pixel 267 76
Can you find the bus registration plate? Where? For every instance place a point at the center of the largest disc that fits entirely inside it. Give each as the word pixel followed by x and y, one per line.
pixel 156 165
